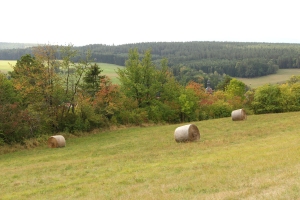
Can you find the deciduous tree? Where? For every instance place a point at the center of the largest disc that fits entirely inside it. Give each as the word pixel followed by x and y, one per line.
pixel 138 79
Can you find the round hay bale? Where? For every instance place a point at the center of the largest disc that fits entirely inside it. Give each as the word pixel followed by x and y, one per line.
pixel 238 115
pixel 56 141
pixel 187 133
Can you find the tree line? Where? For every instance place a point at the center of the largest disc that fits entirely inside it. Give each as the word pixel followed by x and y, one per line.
pixel 236 59
pixel 36 98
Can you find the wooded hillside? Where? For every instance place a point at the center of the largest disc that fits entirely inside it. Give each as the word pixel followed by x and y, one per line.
pixel 190 60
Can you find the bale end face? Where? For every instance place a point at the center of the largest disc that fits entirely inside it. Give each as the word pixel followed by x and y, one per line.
pixel 194 133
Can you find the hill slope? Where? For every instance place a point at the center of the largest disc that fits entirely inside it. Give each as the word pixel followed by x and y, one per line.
pixel 253 159
pixel 281 76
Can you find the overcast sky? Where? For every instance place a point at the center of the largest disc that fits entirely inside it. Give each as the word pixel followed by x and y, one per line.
pixel 133 21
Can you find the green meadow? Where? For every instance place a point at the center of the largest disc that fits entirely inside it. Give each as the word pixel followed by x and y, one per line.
pixel 5 65
pixel 108 69
pixel 258 158
pixel 281 76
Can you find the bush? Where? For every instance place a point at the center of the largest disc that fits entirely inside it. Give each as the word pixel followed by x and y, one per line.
pixel 136 117
pixel 267 99
pixel 219 109
pixel 16 124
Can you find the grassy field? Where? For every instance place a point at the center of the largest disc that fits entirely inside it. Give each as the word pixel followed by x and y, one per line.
pixel 5 67
pixel 281 76
pixel 108 69
pixel 258 158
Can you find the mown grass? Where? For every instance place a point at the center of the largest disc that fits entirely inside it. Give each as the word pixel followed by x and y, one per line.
pixel 281 76
pixel 108 69
pixel 253 159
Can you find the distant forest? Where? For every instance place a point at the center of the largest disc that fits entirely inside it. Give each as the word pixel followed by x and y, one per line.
pixel 193 60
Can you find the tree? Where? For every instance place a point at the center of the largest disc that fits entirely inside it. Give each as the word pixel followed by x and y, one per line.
pixel 11 113
pixel 92 79
pixel 153 88
pixel 138 79
pixel 235 93
pixel 8 95
pixel 235 88
pixel 267 99
pixel 107 100
pixel 27 80
pixel 166 106
pixel 35 79
pixel 47 96
pixel 224 83
pixel 188 105
pixel 72 85
pixel 32 83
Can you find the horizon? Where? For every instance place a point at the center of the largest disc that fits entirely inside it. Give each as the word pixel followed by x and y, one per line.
pixel 150 42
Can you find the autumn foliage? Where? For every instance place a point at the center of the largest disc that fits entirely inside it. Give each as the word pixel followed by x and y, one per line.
pixel 49 92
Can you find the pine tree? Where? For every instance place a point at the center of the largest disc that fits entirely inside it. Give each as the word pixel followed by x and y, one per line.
pixel 92 79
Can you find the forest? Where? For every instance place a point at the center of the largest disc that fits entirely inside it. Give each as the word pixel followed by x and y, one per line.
pixel 190 61
pixel 61 89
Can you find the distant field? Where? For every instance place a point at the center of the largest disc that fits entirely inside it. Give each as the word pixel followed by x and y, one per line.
pixel 281 76
pixel 108 69
pixel 4 65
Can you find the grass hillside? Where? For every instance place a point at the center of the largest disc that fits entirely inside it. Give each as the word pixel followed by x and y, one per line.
pixel 110 71
pixel 258 158
pixel 281 76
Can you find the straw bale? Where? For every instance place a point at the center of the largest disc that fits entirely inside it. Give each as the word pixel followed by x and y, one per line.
pixel 187 133
pixel 238 115
pixel 56 141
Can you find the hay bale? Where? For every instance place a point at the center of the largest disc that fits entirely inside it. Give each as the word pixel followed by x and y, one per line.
pixel 56 141
pixel 238 115
pixel 187 133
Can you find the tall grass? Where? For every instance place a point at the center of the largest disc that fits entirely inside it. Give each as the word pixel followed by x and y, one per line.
pixel 253 159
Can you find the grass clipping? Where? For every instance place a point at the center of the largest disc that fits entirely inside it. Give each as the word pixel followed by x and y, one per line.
pixel 187 133
pixel 56 141
pixel 238 115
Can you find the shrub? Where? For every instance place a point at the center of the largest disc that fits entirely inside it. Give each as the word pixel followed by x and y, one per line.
pixel 16 124
pixel 267 99
pixel 219 109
